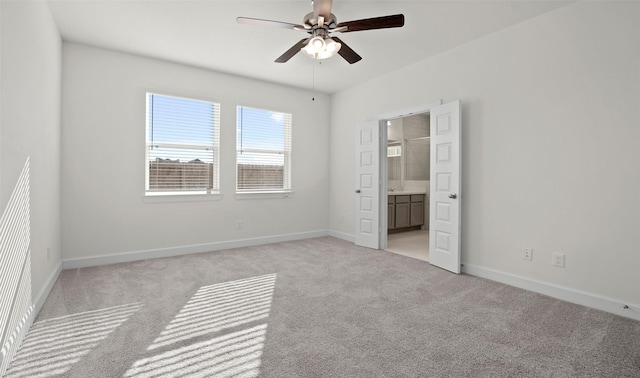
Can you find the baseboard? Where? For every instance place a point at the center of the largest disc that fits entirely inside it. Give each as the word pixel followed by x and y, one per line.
pixel 342 235
pixel 611 305
pixel 46 289
pixel 184 250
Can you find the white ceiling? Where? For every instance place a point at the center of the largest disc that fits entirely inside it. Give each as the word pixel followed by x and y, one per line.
pixel 204 33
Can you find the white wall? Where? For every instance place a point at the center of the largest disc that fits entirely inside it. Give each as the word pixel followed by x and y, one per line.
pixel 30 126
pixel 103 131
pixel 551 141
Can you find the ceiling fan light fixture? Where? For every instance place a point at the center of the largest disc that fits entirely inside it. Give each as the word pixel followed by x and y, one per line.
pixel 332 46
pixel 315 46
pixel 321 48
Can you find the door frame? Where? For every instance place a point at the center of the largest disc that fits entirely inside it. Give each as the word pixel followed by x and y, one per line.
pixel 383 163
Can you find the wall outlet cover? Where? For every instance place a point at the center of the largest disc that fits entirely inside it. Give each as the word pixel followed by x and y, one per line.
pixel 557 259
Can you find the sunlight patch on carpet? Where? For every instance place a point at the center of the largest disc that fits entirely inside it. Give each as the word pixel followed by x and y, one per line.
pixel 231 355
pixel 52 346
pixel 215 334
pixel 217 307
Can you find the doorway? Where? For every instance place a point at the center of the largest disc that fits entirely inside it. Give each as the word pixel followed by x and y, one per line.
pixel 408 171
pixel 371 201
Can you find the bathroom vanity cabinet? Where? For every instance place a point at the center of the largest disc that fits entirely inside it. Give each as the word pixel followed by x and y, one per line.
pixel 406 211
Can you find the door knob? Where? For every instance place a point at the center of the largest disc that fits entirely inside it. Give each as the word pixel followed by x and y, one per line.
pixel 453 195
pixel 357 190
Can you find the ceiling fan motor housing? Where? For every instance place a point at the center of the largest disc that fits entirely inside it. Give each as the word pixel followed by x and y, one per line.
pixel 320 22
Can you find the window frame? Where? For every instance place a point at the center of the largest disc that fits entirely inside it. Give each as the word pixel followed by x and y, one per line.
pixel 181 195
pixel 287 188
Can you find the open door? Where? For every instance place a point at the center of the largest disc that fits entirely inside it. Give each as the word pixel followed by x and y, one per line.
pixel 444 191
pixel 367 191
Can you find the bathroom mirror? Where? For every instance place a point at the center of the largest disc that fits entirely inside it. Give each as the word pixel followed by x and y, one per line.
pixel 408 148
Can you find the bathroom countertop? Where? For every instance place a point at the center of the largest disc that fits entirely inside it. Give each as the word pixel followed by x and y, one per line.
pixel 406 192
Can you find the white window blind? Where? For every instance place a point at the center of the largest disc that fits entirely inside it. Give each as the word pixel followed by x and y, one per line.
pixel 263 150
pixel 182 145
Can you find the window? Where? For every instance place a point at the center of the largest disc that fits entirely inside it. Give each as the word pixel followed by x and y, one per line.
pixel 263 146
pixel 182 145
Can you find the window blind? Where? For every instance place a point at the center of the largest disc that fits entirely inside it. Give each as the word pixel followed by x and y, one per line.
pixel 263 150
pixel 182 145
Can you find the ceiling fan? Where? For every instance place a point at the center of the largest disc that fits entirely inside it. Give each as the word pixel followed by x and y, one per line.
pixel 319 24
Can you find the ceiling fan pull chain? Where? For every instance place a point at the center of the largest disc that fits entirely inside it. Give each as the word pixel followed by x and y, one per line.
pixel 313 81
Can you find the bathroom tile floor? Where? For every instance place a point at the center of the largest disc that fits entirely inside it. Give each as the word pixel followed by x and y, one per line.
pixel 411 243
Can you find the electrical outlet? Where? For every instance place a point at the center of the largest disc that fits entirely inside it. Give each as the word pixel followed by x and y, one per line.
pixel 239 224
pixel 557 259
pixel 527 254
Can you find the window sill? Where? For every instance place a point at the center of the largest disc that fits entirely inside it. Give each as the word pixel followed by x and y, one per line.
pixel 264 195
pixel 180 197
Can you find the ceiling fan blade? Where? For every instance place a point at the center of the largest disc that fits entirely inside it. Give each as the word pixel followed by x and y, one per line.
pixel 322 8
pixel 292 51
pixel 337 29
pixel 261 22
pixel 384 22
pixel 347 52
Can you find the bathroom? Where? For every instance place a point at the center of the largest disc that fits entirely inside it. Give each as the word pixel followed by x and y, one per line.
pixel 408 170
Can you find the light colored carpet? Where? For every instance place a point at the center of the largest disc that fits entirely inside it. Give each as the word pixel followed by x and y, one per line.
pixel 313 308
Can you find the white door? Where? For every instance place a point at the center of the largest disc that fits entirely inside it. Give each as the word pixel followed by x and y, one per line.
pixel 444 192
pixel 367 191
